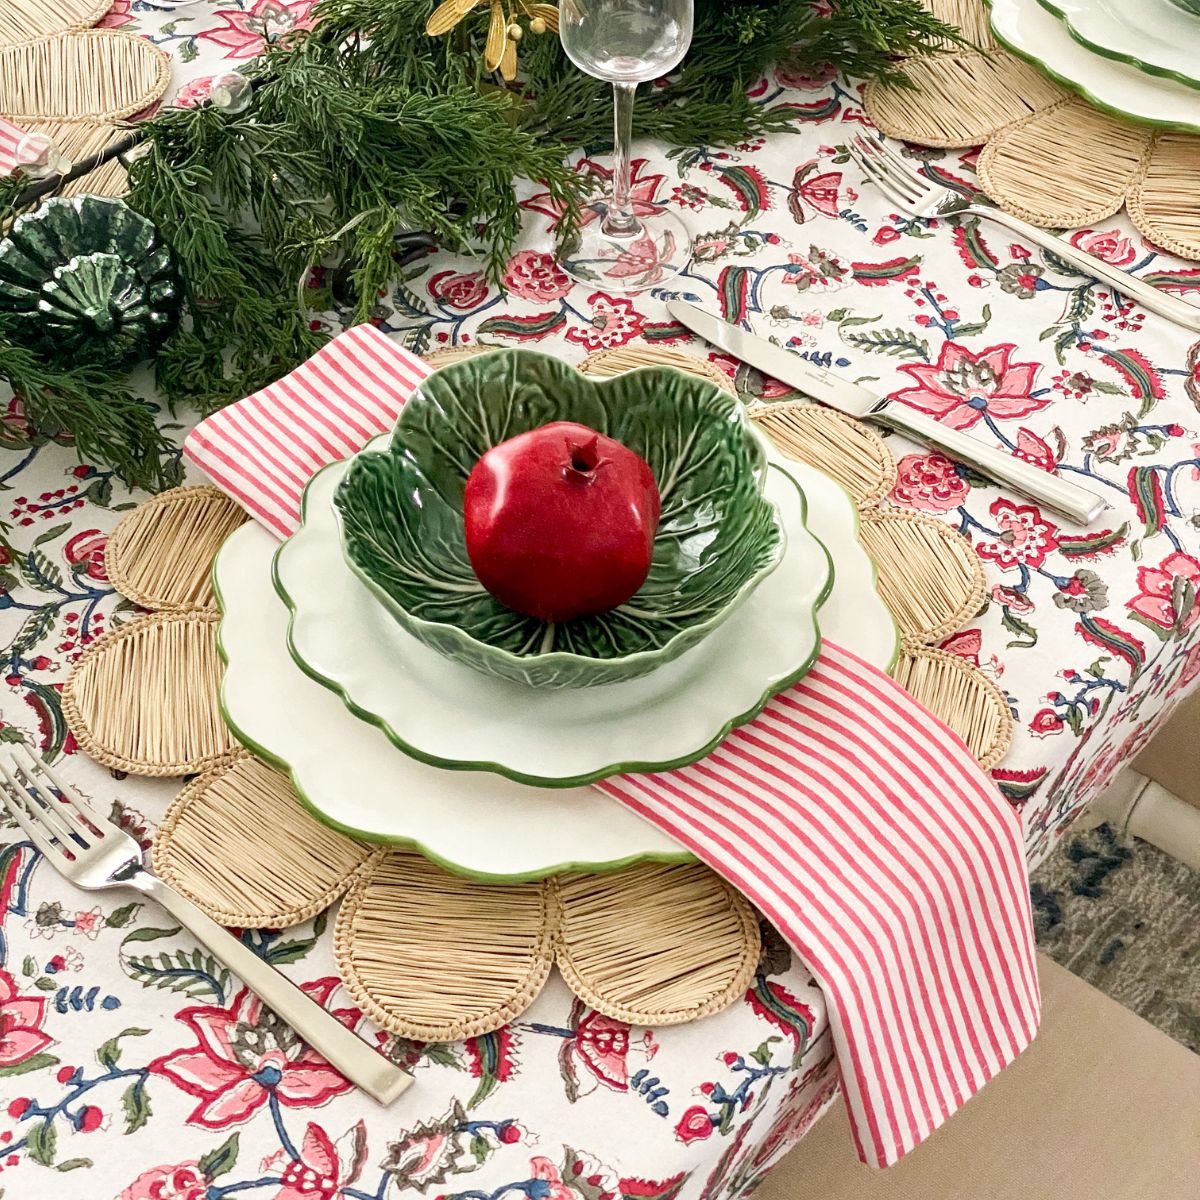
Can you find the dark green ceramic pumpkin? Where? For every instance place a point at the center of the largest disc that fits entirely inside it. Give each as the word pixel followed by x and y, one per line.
pixel 85 280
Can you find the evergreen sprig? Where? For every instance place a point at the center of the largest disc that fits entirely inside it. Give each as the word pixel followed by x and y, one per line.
pixel 110 425
pixel 366 126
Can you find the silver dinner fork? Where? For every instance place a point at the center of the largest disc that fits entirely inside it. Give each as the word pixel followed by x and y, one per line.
pixel 93 854
pixel 920 197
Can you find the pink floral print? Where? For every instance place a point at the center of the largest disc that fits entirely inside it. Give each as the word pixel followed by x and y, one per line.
pixel 961 388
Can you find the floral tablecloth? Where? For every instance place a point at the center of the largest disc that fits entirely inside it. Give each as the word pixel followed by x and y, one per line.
pixel 131 1065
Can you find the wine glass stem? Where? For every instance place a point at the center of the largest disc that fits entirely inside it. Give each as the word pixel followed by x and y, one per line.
pixel 620 220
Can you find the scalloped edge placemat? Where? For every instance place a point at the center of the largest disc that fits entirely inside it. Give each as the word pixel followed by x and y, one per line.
pixel 650 944
pixel 85 80
pixel 1049 157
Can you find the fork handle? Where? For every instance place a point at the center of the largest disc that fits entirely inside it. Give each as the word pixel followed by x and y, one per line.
pixel 1149 297
pixel 341 1047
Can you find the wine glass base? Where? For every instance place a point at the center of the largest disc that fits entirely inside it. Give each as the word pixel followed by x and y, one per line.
pixel 655 252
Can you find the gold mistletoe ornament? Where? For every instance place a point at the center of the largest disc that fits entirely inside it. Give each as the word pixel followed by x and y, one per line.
pixel 504 29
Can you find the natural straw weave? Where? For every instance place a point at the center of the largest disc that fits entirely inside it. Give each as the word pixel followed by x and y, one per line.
pixel 432 956
pixel 1049 156
pixel 99 73
pixel 437 957
pixel 24 20
pixel 1036 164
pixel 655 944
pixel 144 698
pixel 929 577
pixel 948 686
pixel 207 846
pixel 845 449
pixel 160 554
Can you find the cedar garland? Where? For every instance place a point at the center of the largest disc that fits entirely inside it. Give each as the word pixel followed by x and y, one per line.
pixel 366 126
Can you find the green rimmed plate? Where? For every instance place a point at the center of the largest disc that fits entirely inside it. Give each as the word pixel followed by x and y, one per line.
pixel 483 826
pixel 401 512
pixel 1034 34
pixel 1157 37
pixel 452 716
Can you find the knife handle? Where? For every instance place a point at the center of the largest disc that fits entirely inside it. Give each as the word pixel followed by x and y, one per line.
pixel 1063 497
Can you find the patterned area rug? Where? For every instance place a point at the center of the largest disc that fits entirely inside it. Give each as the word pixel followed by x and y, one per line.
pixel 1124 916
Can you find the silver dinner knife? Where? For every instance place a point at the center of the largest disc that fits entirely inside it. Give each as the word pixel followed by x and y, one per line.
pixel 1066 498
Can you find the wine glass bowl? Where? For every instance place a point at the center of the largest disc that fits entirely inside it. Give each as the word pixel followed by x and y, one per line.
pixel 622 246
pixel 626 41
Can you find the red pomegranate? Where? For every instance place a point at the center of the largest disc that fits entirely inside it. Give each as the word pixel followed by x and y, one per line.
pixel 560 521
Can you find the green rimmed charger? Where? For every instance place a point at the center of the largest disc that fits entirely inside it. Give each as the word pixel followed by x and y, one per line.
pixel 1157 37
pixel 487 827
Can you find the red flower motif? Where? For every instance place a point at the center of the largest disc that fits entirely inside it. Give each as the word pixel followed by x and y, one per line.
pixel 85 553
pixel 116 16
pixel 1191 667
pixel 244 33
pixel 1046 722
pixel 960 387
pixel 1026 537
pixel 821 191
pixel 1018 602
pixel 614 322
pixel 1167 597
pixel 603 1045
pixel 21 1035
pixel 245 1054
pixel 194 92
pixel 967 644
pixel 695 1125
pixel 534 275
pixel 885 235
pixel 543 1169
pixel 930 482
pixel 322 1169
pixel 1110 246
pixel 461 291
pixel 643 191
pixel 643 259
pixel 183 1181
pixel 1034 450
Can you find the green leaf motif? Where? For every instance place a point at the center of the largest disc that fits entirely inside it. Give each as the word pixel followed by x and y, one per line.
pixel 73 1164
pixel 525 328
pixel 718 536
pixel 222 1160
pixel 899 343
pixel 136 1104
pixel 34 1063
pixel 120 917
pixel 41 1142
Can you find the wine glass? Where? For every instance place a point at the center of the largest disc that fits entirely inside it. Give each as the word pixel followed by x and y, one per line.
pixel 626 244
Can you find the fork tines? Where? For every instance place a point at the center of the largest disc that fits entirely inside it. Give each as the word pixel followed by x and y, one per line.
pixel 44 816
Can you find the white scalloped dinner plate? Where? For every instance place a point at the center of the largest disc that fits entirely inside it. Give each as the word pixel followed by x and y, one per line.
pixel 480 824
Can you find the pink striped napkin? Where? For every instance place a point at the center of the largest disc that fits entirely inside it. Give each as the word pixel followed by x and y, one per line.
pixel 854 819
pixel 10 139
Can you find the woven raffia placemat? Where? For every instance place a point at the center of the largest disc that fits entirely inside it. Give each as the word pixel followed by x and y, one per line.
pixel 1048 156
pixel 60 77
pixel 651 944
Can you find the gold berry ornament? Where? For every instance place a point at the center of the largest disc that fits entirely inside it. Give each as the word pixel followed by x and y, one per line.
pixel 504 28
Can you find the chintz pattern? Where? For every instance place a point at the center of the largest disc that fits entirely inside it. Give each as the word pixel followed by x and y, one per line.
pixel 134 1067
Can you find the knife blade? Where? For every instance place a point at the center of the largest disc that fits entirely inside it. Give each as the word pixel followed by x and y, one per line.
pixel 1064 497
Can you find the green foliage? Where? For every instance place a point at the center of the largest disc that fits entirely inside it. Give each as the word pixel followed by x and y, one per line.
pixel 366 126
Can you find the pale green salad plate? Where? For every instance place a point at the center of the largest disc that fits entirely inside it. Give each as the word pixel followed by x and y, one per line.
pixel 719 536
pixel 448 714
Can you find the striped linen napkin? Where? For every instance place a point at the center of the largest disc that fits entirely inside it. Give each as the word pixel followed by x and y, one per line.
pixel 855 820
pixel 10 139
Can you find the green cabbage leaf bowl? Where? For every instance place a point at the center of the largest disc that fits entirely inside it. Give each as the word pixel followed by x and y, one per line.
pixel 401 515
